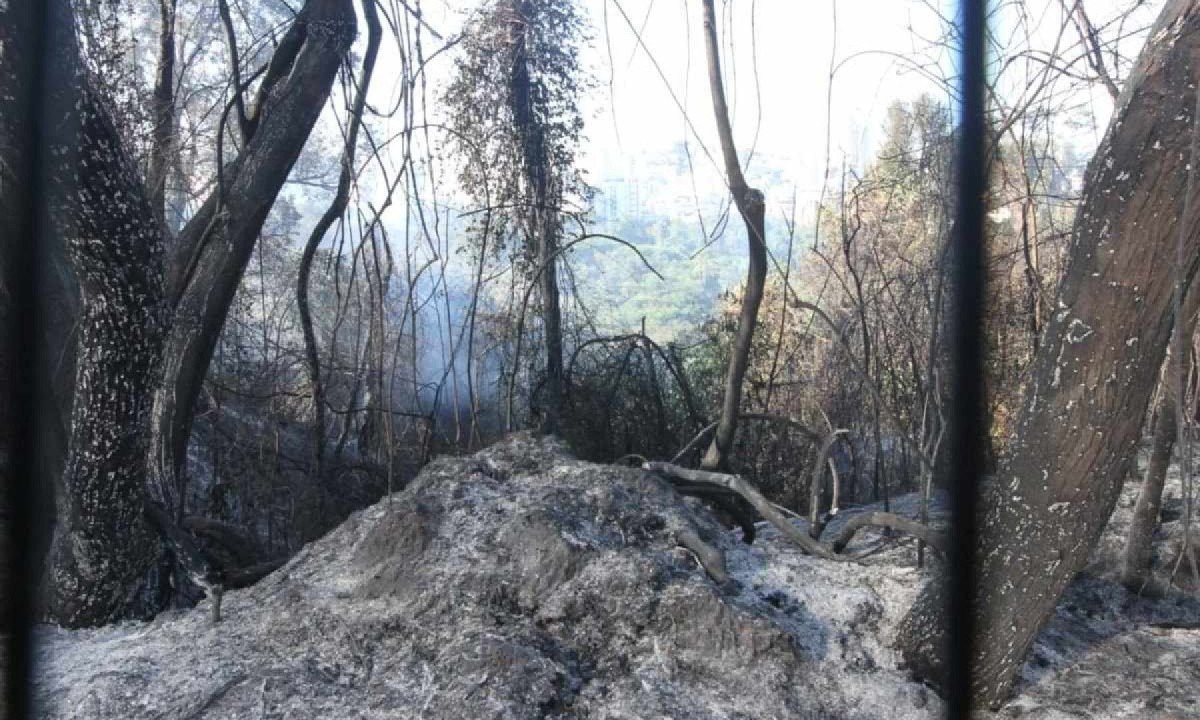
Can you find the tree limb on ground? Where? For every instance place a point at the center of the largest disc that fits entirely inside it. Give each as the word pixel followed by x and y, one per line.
pixel 711 558
pixel 725 500
pixel 936 540
pixel 751 495
pixel 697 482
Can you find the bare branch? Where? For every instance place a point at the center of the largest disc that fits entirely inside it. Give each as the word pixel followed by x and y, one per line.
pixel 752 496
pixel 936 540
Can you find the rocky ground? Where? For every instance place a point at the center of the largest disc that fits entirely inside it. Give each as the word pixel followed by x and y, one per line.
pixel 521 583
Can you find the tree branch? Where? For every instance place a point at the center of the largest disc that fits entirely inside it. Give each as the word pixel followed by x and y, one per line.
pixel 711 559
pixel 752 496
pixel 936 540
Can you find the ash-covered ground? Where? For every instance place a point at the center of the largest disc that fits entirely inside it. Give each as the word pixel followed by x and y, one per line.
pixel 521 583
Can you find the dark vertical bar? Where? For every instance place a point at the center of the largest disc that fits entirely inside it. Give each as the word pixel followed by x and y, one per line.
pixel 967 426
pixel 19 343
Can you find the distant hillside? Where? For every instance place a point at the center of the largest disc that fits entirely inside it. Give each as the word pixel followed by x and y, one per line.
pixel 653 203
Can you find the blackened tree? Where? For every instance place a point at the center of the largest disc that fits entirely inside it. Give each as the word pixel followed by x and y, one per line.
pixel 149 319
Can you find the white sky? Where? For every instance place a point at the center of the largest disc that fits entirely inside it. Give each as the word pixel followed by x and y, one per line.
pixel 789 43
pixel 776 57
pixel 635 113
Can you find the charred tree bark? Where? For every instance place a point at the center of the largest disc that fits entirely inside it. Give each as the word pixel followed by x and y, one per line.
pixel 750 205
pixel 102 547
pixel 541 210
pixel 217 243
pixel 1093 374
pixel 144 340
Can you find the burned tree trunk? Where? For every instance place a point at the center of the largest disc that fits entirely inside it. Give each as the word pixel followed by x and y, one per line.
pixel 216 244
pixel 145 340
pixel 1092 376
pixel 1135 560
pixel 102 547
pixel 542 199
pixel 164 113
pixel 750 205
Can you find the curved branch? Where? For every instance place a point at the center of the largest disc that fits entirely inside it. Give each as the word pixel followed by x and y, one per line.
pixel 672 366
pixel 332 213
pixel 936 540
pixel 752 496
pixel 235 69
pixel 815 525
pixel 711 558
pixel 750 204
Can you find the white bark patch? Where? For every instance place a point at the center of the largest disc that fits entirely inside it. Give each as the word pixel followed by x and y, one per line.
pixel 1077 331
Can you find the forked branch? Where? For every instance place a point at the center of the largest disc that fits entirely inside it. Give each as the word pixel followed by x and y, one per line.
pixel 751 495
pixel 691 478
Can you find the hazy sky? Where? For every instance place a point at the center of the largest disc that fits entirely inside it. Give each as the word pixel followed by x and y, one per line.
pixel 776 56
pixel 776 59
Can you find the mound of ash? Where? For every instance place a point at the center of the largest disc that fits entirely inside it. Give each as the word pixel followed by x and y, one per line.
pixel 515 583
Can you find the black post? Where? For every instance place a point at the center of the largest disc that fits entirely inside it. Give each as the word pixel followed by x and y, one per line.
pixel 19 341
pixel 967 426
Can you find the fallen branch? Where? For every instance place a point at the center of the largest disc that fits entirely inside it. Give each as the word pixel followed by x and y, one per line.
pixel 711 558
pixel 936 540
pixel 752 496
pixel 724 499
pixel 247 576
